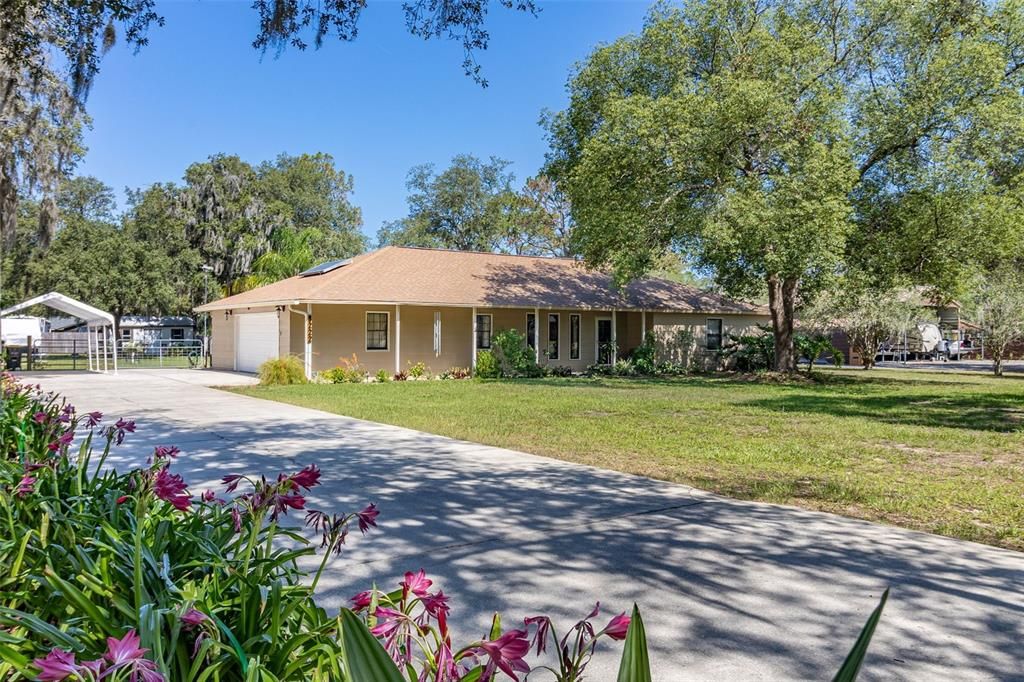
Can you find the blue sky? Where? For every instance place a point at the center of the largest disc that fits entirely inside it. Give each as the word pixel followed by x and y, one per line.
pixel 379 105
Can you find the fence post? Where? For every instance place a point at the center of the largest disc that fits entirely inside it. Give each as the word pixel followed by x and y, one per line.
pixel 160 352
pixel 74 354
pixel 28 362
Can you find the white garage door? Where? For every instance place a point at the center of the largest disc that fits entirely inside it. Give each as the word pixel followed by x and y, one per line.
pixel 256 340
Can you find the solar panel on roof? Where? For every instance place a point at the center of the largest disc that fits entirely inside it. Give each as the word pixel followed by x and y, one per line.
pixel 325 267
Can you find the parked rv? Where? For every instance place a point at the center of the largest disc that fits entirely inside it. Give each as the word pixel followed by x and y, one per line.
pixel 16 330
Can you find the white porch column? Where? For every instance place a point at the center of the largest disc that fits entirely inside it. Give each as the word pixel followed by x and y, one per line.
pixel 398 338
pixel 643 326
pixel 88 346
pixel 536 334
pixel 113 338
pixel 615 342
pixel 307 356
pixel 473 346
pixel 104 332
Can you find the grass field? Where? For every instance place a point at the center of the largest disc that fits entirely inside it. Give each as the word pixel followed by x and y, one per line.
pixel 937 452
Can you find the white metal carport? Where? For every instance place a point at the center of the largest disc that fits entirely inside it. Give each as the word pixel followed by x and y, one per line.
pixel 99 325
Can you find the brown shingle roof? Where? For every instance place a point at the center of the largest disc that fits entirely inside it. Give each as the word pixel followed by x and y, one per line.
pixel 409 275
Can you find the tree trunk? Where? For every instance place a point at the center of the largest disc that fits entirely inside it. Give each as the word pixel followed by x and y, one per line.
pixel 782 305
pixel 997 363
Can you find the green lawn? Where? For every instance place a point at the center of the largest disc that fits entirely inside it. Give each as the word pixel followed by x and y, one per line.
pixel 937 452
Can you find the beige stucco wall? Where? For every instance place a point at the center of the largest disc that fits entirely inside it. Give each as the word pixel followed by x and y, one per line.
pixel 339 331
pixel 666 327
pixel 297 334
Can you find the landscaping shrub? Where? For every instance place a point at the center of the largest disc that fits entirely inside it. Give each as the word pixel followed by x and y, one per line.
pixel 383 375
pixel 456 373
pixel 418 371
pixel 282 371
pixel 624 368
pixel 751 352
pixel 621 368
pixel 514 357
pixel 487 365
pixel 813 346
pixel 401 375
pixel 348 372
pixel 558 371
pixel 643 356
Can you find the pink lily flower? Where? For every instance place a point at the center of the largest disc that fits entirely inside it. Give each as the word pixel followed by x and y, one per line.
pixel 166 452
pixel 307 478
pixel 618 627
pixel 436 604
pixel 388 621
pixel 58 665
pixel 368 517
pixel 362 600
pixel 26 486
pixel 172 489
pixel 126 653
pixel 506 654
pixel 417 583
pixel 194 617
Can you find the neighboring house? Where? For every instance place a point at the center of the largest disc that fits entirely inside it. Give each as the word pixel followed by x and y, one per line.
pixel 157 330
pixel 398 306
pixel 139 329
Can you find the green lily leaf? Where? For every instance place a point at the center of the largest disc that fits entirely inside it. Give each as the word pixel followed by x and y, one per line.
pixel 635 665
pixel 365 658
pixel 851 666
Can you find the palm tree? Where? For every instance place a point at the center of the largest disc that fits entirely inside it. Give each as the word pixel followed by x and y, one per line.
pixel 291 253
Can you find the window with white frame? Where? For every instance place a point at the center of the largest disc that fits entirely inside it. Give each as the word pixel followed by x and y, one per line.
pixel 177 334
pixel 377 331
pixel 713 333
pixel 553 336
pixel 483 331
pixel 574 337
pixel 126 334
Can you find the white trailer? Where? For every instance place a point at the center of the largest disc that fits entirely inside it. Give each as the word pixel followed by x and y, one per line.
pixel 16 330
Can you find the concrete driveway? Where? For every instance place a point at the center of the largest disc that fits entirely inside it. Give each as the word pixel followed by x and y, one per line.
pixel 728 589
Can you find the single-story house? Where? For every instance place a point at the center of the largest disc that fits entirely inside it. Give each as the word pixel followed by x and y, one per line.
pixel 163 330
pixel 398 306
pixel 146 330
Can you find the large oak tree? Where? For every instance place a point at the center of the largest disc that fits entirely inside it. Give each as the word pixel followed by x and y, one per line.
pixel 777 142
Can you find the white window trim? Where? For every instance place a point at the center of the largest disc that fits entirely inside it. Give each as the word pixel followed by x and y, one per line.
pixel 597 337
pixel 579 334
pixel 721 333
pixel 476 331
pixel 558 326
pixel 387 334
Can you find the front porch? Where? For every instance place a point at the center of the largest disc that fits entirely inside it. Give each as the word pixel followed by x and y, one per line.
pixel 396 337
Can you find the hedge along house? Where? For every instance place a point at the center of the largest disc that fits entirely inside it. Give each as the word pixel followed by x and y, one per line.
pixel 398 306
